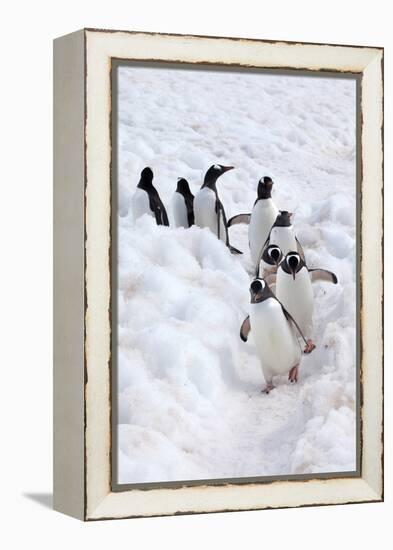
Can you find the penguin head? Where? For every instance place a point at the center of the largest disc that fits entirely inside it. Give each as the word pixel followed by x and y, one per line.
pixel 147 175
pixel 292 263
pixel 283 219
pixel 265 186
pixel 214 172
pixel 259 290
pixel 182 186
pixel 272 255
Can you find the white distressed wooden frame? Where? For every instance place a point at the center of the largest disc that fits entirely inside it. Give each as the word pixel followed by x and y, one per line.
pixel 82 207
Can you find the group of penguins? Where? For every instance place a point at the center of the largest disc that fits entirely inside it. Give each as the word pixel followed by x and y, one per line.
pixel 281 309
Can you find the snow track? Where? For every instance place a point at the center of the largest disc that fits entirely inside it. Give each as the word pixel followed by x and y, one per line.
pixel 189 403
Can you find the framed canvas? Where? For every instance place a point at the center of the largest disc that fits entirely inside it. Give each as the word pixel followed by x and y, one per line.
pixel 218 266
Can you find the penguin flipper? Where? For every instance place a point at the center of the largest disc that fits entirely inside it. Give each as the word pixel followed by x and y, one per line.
pixel 234 250
pixel 292 320
pixel 219 207
pixel 239 218
pixel 157 214
pixel 221 212
pixel 158 208
pixel 245 329
pixel 257 266
pixel 300 250
pixel 161 215
pixel 164 215
pixel 323 275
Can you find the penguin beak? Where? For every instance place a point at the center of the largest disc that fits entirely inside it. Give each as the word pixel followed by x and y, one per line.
pixel 293 264
pixel 293 270
pixel 227 168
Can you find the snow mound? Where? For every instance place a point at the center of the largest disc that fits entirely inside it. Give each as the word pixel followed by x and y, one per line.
pixel 189 401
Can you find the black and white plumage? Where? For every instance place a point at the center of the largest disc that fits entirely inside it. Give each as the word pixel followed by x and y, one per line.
pixel 275 333
pixel 261 219
pixel 282 235
pixel 146 199
pixel 183 204
pixel 209 210
pixel 294 290
pixel 272 255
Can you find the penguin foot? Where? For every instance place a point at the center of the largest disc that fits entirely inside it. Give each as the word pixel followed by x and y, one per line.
pixel 310 346
pixel 293 374
pixel 267 389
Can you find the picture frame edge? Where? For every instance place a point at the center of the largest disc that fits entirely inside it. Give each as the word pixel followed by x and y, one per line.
pixel 90 508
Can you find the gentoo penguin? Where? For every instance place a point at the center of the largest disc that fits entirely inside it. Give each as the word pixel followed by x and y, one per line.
pixel 294 290
pixel 272 255
pixel 282 235
pixel 183 204
pixel 261 219
pixel 275 334
pixel 208 209
pixel 146 199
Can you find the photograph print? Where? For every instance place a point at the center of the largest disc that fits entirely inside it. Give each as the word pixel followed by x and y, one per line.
pixel 234 274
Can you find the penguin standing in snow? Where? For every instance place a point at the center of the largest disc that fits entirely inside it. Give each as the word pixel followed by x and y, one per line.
pixel 146 199
pixel 294 291
pixel 208 209
pixel 282 235
pixel 183 204
pixel 261 219
pixel 275 334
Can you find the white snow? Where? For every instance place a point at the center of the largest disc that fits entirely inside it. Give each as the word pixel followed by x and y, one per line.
pixel 189 396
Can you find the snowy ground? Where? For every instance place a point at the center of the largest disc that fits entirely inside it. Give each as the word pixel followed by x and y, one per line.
pixel 189 396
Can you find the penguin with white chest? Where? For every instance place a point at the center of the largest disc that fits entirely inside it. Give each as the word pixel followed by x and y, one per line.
pixel 146 199
pixel 281 235
pixel 183 204
pixel 261 219
pixel 294 291
pixel 275 334
pixel 209 210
